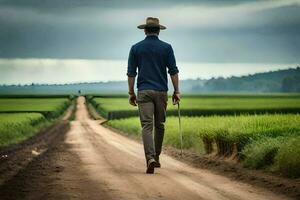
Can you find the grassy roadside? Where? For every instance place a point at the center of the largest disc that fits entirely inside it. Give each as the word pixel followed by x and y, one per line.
pixel 17 127
pixel 258 141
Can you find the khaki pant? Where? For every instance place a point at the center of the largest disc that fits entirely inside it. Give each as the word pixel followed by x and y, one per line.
pixel 152 110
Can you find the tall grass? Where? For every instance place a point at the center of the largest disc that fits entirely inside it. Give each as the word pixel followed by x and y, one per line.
pixel 287 161
pixel 238 130
pixel 261 153
pixel 281 154
pixel 16 127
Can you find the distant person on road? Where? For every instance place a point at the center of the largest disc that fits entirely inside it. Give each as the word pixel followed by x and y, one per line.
pixel 152 58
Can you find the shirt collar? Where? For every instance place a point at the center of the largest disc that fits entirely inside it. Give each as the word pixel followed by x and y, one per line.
pixel 151 37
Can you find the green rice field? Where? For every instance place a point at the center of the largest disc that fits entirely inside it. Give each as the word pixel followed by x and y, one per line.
pixel 118 107
pixel 50 107
pixel 21 118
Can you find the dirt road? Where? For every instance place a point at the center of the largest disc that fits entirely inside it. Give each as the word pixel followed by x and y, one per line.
pixel 93 162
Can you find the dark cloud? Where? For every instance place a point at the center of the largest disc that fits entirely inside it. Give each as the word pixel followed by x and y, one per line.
pixel 65 4
pixel 206 31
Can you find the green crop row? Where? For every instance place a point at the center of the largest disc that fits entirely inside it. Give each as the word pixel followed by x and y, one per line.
pixel 16 127
pixel 228 135
pixel 37 96
pixel 116 108
pixel 213 95
pixel 49 107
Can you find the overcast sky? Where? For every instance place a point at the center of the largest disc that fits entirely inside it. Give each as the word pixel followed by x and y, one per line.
pixel 224 31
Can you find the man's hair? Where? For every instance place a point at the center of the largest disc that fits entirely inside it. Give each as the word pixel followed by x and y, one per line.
pixel 152 30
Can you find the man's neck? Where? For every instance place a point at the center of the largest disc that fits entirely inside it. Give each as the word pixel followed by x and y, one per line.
pixel 151 34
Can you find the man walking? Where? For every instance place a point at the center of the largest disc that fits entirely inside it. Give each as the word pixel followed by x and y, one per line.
pixel 153 58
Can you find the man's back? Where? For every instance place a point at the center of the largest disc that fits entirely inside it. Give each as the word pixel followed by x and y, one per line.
pixel 152 56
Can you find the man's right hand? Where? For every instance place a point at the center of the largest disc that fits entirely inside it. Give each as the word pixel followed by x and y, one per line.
pixel 132 99
pixel 176 98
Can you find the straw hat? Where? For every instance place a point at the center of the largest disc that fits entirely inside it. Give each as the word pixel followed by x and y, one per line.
pixel 152 22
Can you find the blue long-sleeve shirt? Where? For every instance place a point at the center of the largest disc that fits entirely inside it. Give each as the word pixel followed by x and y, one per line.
pixel 152 57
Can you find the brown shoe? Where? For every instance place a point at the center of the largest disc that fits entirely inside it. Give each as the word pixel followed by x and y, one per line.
pixel 150 166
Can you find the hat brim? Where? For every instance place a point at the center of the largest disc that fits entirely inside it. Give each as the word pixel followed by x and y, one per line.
pixel 143 26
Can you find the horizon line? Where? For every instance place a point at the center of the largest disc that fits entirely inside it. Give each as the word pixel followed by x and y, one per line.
pixel 97 81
